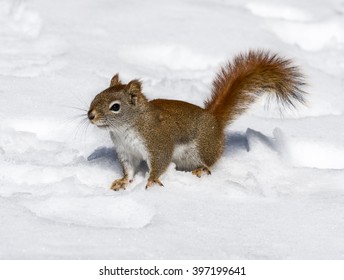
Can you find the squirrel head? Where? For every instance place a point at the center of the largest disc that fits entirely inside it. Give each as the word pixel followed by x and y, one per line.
pixel 118 105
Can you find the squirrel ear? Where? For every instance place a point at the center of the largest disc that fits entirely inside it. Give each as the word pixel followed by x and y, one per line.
pixel 133 89
pixel 115 80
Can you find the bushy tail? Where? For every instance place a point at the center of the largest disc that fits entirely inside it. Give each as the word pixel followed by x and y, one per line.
pixel 239 83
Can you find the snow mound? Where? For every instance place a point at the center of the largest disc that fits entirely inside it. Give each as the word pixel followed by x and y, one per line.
pixel 316 154
pixel 167 56
pixel 18 18
pixel 278 11
pixel 25 51
pixel 311 36
pixel 94 211
pixel 44 177
pixel 296 26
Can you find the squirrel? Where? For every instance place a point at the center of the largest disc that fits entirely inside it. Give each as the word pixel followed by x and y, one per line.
pixel 162 131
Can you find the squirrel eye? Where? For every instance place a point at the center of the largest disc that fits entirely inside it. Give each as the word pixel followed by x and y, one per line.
pixel 115 106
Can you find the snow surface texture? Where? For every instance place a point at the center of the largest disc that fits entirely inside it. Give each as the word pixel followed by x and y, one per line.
pixel 278 190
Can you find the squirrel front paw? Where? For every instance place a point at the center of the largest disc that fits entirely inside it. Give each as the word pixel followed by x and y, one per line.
pixel 153 181
pixel 120 184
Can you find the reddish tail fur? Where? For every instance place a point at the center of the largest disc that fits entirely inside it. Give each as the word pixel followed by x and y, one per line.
pixel 240 82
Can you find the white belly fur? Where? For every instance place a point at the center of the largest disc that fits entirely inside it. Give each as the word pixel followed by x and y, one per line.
pixel 130 148
pixel 186 156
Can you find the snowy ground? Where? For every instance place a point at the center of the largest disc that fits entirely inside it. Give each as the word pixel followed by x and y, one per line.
pixel 278 191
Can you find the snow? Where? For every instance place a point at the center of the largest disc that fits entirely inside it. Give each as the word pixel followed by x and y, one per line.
pixel 278 190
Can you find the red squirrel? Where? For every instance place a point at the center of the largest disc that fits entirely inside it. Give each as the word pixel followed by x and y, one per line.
pixel 162 131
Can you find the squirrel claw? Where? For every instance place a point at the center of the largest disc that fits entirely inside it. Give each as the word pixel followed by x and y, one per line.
pixel 199 171
pixel 119 184
pixel 155 181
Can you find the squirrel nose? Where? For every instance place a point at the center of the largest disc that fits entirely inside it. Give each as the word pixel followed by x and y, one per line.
pixel 91 115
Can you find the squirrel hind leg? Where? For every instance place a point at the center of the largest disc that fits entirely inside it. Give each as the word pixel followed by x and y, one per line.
pixel 200 171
